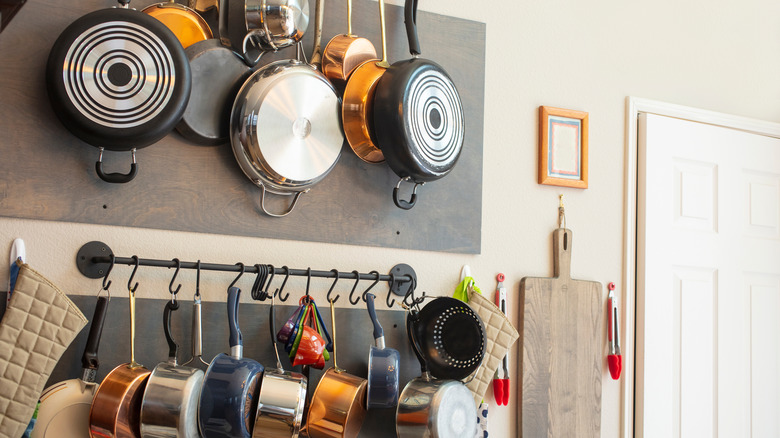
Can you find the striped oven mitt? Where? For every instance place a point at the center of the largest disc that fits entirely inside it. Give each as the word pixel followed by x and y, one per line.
pixel 39 324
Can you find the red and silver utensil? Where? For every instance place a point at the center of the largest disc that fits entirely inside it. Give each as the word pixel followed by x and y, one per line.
pixel 614 358
pixel 501 378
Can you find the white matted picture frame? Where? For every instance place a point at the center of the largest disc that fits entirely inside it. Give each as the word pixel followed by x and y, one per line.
pixel 563 147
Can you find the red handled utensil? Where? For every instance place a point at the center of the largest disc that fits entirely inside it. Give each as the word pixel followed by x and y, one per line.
pixel 614 359
pixel 501 378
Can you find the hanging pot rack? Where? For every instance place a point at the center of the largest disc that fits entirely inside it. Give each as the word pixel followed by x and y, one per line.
pixel 96 259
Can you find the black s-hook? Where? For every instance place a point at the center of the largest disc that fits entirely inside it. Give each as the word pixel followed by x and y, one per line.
pixel 170 285
pixel 336 280
pixel 283 298
pixel 106 281
pixel 132 275
pixel 365 292
pixel 390 301
pixel 308 283
pixel 239 275
pixel 357 280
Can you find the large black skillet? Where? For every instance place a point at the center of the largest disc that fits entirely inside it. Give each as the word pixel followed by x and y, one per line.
pixel 418 116
pixel 119 80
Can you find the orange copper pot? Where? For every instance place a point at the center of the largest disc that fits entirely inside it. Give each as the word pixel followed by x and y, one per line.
pixel 116 408
pixel 188 26
pixel 338 406
pixel 358 102
pixel 344 53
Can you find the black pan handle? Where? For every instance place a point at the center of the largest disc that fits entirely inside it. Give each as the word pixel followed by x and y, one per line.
pixel 400 203
pixel 116 178
pixel 411 319
pixel 410 20
pixel 90 358
pixel 173 347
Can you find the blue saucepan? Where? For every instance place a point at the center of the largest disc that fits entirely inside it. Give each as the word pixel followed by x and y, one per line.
pixel 228 400
pixel 383 366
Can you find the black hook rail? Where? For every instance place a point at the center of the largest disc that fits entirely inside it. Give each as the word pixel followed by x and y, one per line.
pixel 96 260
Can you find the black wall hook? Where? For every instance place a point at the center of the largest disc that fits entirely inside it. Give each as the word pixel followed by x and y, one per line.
pixel 197 280
pixel 283 298
pixel 336 280
pixel 365 292
pixel 265 293
pixel 132 275
pixel 175 274
pixel 357 280
pixel 239 275
pixel 257 287
pixel 308 283
pixel 390 301
pixel 106 285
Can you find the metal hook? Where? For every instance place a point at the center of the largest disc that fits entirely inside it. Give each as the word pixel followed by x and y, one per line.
pixel 239 274
pixel 197 281
pixel 336 280
pixel 257 287
pixel 284 282
pixel 308 282
pixel 106 285
pixel 265 293
pixel 365 292
pixel 357 280
pixel 170 286
pixel 132 275
pixel 390 301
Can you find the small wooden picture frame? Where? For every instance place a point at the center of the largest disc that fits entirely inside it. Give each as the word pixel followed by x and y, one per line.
pixel 563 147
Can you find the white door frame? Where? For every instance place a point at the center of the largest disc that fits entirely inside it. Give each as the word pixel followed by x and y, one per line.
pixel 635 106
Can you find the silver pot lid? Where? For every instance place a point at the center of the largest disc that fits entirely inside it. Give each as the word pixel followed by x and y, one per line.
pixel 286 126
pixel 453 412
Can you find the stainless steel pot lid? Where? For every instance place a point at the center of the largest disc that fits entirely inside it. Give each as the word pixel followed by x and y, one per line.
pixel 285 126
pixel 217 75
pixel 453 412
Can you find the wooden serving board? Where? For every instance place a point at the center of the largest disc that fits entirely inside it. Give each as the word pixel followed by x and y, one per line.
pixel 561 364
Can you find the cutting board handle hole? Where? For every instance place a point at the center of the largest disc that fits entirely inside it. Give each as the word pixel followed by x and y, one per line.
pixel 565 242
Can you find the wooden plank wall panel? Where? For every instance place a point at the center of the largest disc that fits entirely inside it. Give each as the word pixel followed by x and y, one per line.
pixel 47 173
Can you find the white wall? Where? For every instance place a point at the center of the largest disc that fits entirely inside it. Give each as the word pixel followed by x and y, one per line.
pixel 717 55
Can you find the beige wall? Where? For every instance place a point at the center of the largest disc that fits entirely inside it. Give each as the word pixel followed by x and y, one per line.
pixel 584 55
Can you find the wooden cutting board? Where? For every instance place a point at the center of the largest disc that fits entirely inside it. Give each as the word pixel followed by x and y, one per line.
pixel 561 362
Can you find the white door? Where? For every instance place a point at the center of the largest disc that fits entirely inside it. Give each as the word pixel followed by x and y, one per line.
pixel 708 281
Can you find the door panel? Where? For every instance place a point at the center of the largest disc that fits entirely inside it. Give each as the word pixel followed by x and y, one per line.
pixel 708 281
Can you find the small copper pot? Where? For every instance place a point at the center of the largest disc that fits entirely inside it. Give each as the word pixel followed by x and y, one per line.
pixel 338 406
pixel 116 408
pixel 344 53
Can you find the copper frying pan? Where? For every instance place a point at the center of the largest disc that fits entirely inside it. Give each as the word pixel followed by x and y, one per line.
pixel 338 405
pixel 357 107
pixel 116 408
pixel 188 26
pixel 345 52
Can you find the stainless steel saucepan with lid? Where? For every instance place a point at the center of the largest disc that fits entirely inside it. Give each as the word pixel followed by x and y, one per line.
pixel 285 126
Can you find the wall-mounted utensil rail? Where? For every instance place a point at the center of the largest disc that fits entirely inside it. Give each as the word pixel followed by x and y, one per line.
pixel 95 260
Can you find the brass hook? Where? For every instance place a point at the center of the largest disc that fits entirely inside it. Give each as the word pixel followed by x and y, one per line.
pixel 239 274
pixel 365 292
pixel 357 280
pixel 132 275
pixel 561 212
pixel 284 282
pixel 336 280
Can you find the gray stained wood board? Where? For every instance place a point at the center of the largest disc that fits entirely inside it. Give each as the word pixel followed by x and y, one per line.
pixel 561 354
pixel 353 327
pixel 47 173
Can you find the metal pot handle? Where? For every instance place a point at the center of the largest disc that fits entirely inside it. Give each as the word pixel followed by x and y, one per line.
pixel 289 210
pixel 173 347
pixel 116 178
pixel 245 52
pixel 406 205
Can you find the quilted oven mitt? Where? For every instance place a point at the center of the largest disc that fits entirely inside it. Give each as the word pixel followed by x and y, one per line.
pixel 39 324
pixel 501 334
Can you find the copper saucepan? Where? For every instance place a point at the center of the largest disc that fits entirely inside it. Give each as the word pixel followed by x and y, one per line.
pixel 357 109
pixel 344 53
pixel 116 408
pixel 188 26
pixel 338 405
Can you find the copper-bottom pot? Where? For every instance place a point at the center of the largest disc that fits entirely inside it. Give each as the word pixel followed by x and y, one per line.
pixel 116 408
pixel 338 406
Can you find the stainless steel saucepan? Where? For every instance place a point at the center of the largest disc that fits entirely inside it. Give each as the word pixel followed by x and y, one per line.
pixel 282 398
